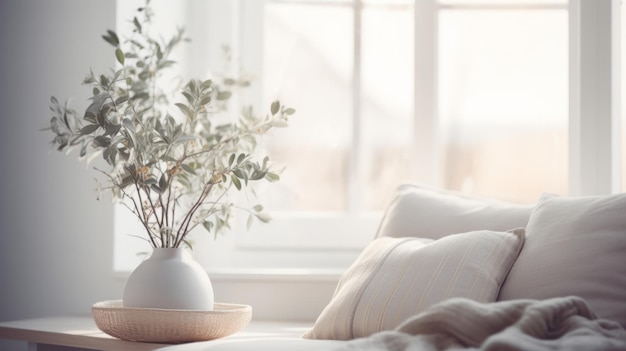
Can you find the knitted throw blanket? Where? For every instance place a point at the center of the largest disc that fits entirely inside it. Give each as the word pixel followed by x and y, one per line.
pixel 566 323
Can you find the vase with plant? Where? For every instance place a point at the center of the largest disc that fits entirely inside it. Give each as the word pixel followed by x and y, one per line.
pixel 171 158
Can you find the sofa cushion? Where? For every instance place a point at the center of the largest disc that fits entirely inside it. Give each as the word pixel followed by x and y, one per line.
pixel 395 278
pixel 430 213
pixel 574 246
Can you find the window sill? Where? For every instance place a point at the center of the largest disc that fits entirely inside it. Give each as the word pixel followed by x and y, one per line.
pixel 278 275
pixel 266 275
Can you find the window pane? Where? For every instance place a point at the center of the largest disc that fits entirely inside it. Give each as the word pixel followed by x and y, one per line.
pixel 503 102
pixel 308 64
pixel 387 100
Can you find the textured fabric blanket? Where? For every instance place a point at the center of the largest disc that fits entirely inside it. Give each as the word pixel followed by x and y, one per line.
pixel 459 324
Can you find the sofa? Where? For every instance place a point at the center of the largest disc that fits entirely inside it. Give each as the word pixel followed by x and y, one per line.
pixel 448 271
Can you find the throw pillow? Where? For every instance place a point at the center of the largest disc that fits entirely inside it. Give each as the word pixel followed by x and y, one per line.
pixel 430 213
pixel 575 246
pixel 396 278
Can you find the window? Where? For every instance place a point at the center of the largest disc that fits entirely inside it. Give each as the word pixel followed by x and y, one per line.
pixel 468 95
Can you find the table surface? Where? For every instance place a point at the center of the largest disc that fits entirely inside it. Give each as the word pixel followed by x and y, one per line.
pixel 81 332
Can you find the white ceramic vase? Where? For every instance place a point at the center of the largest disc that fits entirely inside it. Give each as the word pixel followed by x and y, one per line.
pixel 169 279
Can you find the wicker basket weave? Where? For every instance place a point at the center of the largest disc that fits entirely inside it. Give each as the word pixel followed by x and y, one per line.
pixel 169 326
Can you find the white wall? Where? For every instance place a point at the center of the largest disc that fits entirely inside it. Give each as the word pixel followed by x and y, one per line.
pixel 55 238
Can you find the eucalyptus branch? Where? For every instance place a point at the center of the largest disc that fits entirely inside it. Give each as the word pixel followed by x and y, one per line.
pixel 153 212
pixel 145 219
pixel 137 208
pixel 128 122
pixel 153 207
pixel 166 206
pixel 213 203
pixel 184 225
pixel 164 222
pixel 138 211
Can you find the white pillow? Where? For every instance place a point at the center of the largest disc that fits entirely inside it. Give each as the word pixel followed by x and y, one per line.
pixel 574 246
pixel 428 213
pixel 396 278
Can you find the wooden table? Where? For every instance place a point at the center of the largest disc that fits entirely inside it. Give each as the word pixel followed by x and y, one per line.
pixel 81 333
pixel 70 332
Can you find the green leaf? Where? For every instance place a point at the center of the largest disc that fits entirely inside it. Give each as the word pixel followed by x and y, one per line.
pixel 258 175
pixel 88 129
pixel 185 109
pixel 188 97
pixel 279 123
pixel 223 95
pixel 137 24
pixel 272 177
pixel 249 222
pixel 188 169
pixel 239 173
pixel 188 243
pixel 119 55
pixel 165 64
pixel 159 53
pixel 156 189
pixel 109 154
pixel 236 182
pixel 100 118
pixel 111 38
pixel 184 183
pixel 83 150
pixel 231 159
pixel 112 129
pixel 205 100
pixel 102 141
pixel 206 84
pixel 128 124
pixel 263 217
pixel 122 99
pixel 207 225
pixel 290 111
pixel 258 208
pixel 240 158
pixel 182 139
pixel 163 182
pixel 192 86
pixel 275 107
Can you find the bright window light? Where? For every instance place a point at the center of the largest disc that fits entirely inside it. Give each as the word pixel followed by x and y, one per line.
pixel 350 68
pixel 503 102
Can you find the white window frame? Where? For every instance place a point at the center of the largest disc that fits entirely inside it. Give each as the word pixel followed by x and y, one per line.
pixel 595 117
pixel 594 121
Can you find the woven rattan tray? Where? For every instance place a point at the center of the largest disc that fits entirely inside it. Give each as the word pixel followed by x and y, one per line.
pixel 169 326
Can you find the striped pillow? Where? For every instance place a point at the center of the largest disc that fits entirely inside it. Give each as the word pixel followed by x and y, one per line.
pixel 396 278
